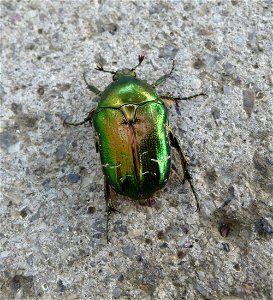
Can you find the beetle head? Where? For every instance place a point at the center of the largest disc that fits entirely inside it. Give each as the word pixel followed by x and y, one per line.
pixel 124 72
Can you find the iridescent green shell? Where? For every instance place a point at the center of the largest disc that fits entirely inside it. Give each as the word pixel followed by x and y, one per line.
pixel 130 121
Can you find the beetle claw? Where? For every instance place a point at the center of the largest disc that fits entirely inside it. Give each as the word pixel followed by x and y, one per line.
pixel 114 210
pixel 99 68
pixel 140 58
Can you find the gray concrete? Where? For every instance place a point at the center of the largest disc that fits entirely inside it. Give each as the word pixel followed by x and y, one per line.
pixel 52 206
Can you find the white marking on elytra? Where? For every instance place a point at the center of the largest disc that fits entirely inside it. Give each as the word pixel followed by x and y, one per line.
pixel 110 167
pixel 161 160
pixel 143 153
pixel 124 177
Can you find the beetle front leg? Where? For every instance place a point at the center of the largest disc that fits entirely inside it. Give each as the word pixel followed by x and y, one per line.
pixel 187 176
pixel 88 118
pixel 109 207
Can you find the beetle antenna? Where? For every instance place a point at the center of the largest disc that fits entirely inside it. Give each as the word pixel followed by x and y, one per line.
pixel 140 60
pixel 100 68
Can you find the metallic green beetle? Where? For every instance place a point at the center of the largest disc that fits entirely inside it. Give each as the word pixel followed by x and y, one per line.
pixel 134 138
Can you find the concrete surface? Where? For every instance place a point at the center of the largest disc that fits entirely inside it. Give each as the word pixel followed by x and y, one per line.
pixel 52 206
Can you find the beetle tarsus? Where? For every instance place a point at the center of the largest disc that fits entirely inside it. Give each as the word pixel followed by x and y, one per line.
pixel 99 67
pixel 140 58
pixel 110 208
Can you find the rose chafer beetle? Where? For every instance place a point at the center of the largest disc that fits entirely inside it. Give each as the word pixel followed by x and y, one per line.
pixel 133 136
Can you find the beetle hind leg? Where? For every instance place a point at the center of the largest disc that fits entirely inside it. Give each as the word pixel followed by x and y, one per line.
pixel 109 208
pixel 187 176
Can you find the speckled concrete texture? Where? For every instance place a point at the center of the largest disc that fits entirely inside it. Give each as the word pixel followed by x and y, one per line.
pixel 52 209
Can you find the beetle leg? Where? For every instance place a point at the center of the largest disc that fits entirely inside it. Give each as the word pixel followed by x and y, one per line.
pixel 140 60
pixel 88 118
pixel 92 88
pixel 187 176
pixel 163 78
pixel 109 207
pixel 174 99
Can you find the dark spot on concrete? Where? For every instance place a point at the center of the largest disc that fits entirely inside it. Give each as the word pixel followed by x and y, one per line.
pixel 23 213
pixel 140 258
pixel 60 286
pixel 7 139
pixel 121 277
pixel 181 254
pixel 41 90
pixel 74 144
pixel 210 45
pixel 224 229
pixel 16 108
pixel 248 101
pixel 91 210
pixel 161 235
pixel 198 64
pixel 226 247
pixel 40 30
pixel 148 241
pixel 73 177
pixel 237 267
pixel 263 226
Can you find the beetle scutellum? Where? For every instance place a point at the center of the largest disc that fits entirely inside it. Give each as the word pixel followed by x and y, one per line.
pixel 133 136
